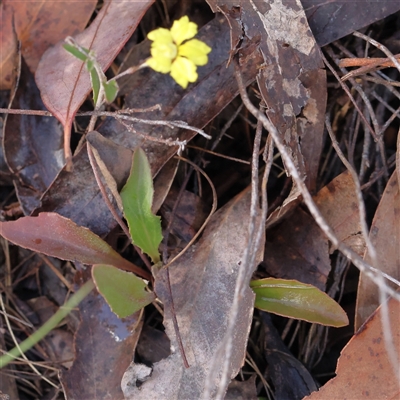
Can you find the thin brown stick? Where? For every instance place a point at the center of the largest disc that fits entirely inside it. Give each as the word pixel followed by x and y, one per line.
pixel 218 154
pixel 381 47
pixel 175 322
pixel 361 62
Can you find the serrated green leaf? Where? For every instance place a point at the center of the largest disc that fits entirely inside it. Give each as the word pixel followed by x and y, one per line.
pixel 95 82
pixel 293 299
pixel 75 51
pixel 123 291
pixel 137 198
pixel 110 90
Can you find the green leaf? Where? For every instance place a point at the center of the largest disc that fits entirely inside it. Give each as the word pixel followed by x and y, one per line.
pixel 76 52
pixel 111 90
pixel 123 291
pixel 137 198
pixel 293 299
pixel 95 82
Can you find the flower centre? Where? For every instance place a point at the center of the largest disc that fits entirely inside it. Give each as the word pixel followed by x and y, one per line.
pixel 170 51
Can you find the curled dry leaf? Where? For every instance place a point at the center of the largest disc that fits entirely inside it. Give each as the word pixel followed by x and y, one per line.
pixel 385 236
pixel 338 203
pixel 203 284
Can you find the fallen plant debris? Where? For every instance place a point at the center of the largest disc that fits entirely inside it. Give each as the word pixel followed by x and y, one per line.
pixel 229 186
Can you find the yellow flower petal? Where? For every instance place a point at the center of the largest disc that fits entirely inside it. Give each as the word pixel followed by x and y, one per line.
pixel 160 35
pixel 195 50
pixel 164 50
pixel 183 71
pixel 183 29
pixel 160 64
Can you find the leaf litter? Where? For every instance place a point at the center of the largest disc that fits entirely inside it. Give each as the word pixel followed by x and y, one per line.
pixel 208 104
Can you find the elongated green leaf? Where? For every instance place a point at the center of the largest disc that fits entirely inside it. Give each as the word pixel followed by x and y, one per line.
pixel 95 82
pixel 123 291
pixel 137 198
pixel 293 299
pixel 75 51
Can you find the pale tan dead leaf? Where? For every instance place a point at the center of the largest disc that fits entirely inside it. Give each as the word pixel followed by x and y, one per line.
pixel 385 236
pixel 337 202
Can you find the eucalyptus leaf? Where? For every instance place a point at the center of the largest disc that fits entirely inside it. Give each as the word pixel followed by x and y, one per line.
pixel 293 299
pixel 137 199
pixel 124 292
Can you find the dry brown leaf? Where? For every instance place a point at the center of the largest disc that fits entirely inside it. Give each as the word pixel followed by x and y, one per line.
pixel 291 80
pixel 203 282
pixel 8 45
pixel 63 79
pixel 42 23
pixel 385 236
pixel 296 249
pixel 337 202
pixel 104 347
pixel 364 370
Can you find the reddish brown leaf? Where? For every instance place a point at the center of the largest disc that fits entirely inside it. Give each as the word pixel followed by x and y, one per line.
pixel 56 236
pixel 203 282
pixel 104 347
pixel 364 370
pixel 41 24
pixel 8 46
pixel 63 80
pixel 33 145
pixel 385 236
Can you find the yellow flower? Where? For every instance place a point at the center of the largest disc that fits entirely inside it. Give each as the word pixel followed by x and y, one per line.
pixel 170 55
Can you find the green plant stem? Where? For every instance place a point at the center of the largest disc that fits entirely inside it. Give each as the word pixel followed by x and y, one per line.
pixel 49 325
